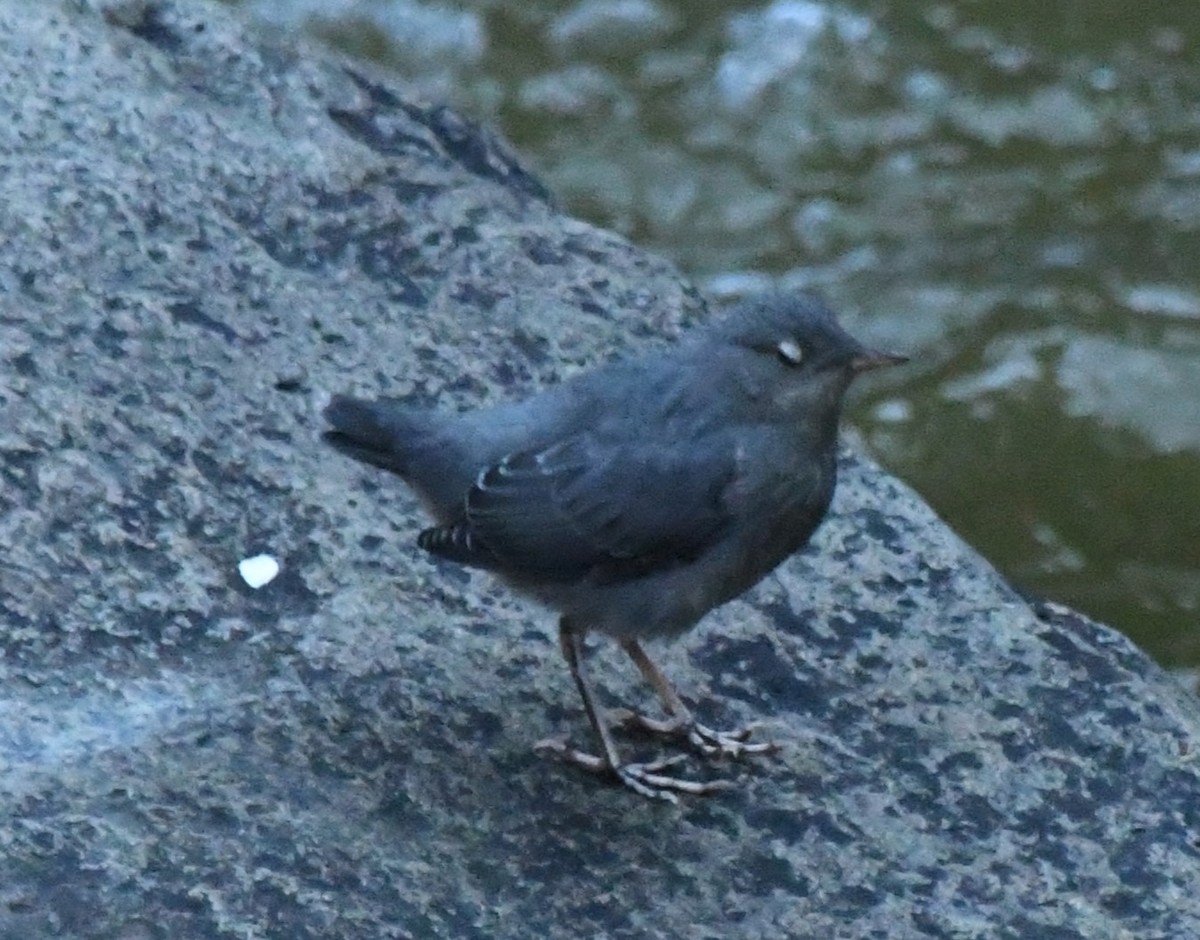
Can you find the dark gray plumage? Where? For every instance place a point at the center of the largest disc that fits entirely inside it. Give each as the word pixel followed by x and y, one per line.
pixel 635 498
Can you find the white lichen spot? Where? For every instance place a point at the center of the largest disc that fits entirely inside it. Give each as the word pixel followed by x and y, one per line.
pixel 259 570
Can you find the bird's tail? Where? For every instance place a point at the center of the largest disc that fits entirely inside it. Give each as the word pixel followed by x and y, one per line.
pixel 384 433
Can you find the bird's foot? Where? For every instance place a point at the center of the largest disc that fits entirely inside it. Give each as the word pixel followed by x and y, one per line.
pixel 646 779
pixel 707 741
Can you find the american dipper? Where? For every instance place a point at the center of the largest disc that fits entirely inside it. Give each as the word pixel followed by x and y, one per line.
pixel 635 498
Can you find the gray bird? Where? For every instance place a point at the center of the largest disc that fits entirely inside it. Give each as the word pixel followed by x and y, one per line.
pixel 637 497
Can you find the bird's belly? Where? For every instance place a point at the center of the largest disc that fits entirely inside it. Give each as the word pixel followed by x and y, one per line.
pixel 670 602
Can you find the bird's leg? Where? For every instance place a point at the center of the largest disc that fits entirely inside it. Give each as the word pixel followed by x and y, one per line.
pixel 680 722
pixel 646 779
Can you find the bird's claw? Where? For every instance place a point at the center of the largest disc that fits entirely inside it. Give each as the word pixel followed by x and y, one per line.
pixel 645 778
pixel 707 741
pixel 733 744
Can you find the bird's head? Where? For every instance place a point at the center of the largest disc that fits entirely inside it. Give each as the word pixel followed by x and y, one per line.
pixel 795 361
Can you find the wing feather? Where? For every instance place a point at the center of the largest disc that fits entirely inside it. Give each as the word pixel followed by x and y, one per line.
pixel 582 508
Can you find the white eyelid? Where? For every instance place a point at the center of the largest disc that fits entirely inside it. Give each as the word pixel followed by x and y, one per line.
pixel 790 350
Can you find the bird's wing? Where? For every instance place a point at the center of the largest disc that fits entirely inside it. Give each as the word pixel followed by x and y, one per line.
pixel 585 507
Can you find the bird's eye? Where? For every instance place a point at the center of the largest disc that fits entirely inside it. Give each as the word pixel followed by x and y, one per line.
pixel 790 352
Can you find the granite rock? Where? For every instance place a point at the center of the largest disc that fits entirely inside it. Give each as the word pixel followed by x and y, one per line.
pixel 203 232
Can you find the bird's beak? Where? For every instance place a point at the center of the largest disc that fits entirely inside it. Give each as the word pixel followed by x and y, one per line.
pixel 870 359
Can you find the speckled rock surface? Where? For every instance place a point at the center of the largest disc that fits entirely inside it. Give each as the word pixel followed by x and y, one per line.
pixel 202 234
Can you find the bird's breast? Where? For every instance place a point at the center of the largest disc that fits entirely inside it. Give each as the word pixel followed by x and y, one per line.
pixel 781 495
